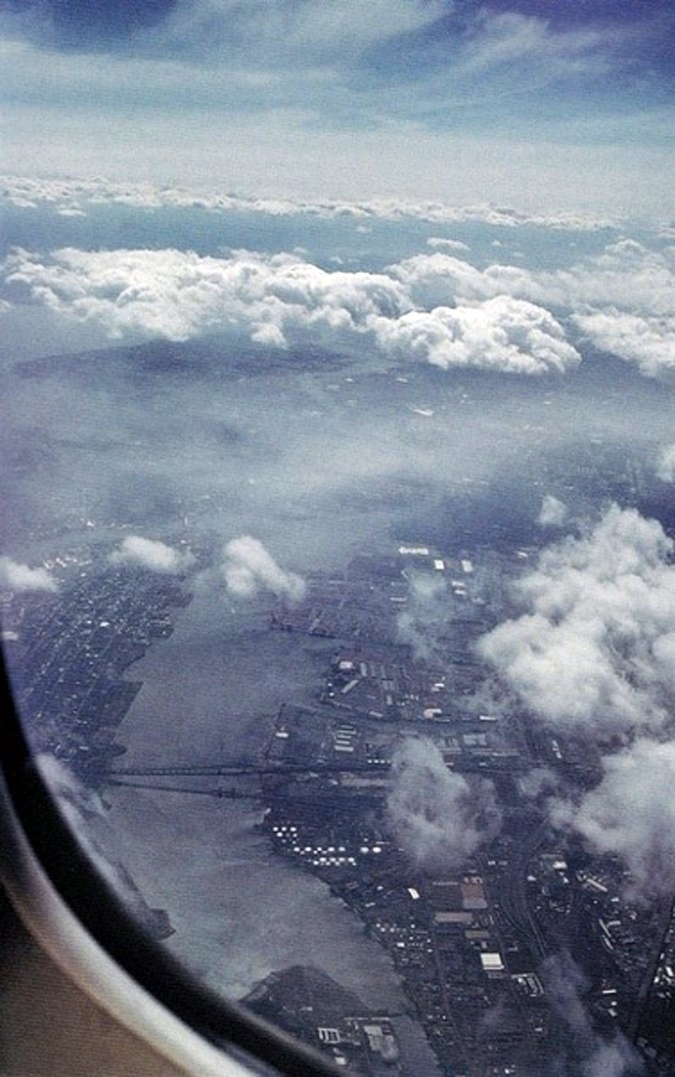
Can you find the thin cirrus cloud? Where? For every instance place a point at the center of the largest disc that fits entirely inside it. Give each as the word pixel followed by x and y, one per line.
pixel 504 101
pixel 215 29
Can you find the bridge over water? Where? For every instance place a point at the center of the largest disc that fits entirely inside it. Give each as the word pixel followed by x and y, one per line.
pixel 240 769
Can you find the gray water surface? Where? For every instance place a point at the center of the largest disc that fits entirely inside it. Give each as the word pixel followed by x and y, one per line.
pixel 211 691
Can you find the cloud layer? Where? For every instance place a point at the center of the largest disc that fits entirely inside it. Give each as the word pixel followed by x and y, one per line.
pixel 249 568
pixel 622 301
pixel 178 295
pixel 77 197
pixel 434 306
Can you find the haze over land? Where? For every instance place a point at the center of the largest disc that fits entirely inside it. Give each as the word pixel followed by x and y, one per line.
pixel 356 324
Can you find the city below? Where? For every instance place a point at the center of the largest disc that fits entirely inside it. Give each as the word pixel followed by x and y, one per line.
pixel 486 936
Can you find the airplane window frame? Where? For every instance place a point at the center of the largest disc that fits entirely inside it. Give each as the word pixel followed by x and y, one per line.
pixel 47 874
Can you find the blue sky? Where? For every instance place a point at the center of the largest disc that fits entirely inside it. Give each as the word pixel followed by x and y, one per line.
pixel 531 102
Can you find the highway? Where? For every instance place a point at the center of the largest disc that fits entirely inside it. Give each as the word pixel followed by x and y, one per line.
pixel 513 894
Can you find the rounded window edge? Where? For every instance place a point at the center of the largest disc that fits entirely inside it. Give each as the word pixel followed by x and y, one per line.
pixel 80 923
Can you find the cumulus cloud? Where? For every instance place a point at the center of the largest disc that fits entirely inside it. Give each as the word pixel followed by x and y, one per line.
pixel 622 300
pixel 646 341
pixel 595 653
pixel 19 577
pixel 439 817
pixel 589 1054
pixel 553 512
pixel 627 301
pixel 626 275
pixel 665 468
pixel 178 295
pixel 152 554
pixel 504 334
pixel 441 243
pixel 440 279
pixel 538 782
pixel 595 648
pixel 434 306
pixel 631 813
pixel 248 568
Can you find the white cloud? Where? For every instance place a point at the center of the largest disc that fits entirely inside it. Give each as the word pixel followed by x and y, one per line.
pixel 553 512
pixel 434 306
pixel 647 341
pixel 665 469
pixel 623 300
pixel 627 275
pixel 501 334
pixel 85 813
pixel 500 39
pixel 595 648
pixel 30 191
pixel 538 782
pixel 631 813
pixel 438 817
pixel 177 295
pixel 248 568
pixel 437 279
pixel 19 577
pixel 441 243
pixel 152 554
pixel 300 32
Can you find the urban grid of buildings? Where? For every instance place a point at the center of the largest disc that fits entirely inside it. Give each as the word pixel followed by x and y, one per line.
pixel 471 938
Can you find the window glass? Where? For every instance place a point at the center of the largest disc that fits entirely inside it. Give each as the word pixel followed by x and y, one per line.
pixel 337 460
